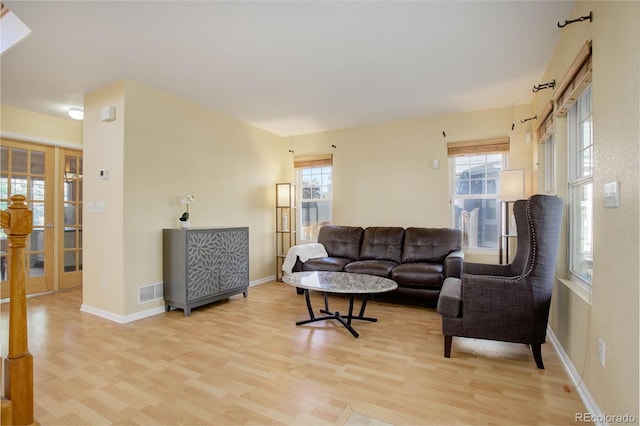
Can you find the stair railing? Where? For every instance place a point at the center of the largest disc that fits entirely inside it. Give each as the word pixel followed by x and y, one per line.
pixel 17 403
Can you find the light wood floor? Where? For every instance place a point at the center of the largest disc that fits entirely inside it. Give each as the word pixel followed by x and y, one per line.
pixel 244 361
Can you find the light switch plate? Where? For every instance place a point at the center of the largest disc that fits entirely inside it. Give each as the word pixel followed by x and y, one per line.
pixel 611 194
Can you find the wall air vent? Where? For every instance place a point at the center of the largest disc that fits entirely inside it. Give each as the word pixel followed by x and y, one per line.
pixel 149 293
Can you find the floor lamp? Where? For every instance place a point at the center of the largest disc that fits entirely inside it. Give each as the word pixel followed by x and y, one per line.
pixel 511 190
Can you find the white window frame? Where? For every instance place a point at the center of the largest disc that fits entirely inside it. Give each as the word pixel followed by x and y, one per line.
pixel 580 182
pixel 549 164
pixel 454 196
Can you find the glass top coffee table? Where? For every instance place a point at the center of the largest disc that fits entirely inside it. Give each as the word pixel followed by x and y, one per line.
pixel 342 283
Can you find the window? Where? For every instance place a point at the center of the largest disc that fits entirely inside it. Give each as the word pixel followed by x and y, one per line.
pixel 476 208
pixel 580 142
pixel 545 136
pixel 573 100
pixel 549 159
pixel 314 182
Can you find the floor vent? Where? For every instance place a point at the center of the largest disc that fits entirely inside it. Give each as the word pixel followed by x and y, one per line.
pixel 149 293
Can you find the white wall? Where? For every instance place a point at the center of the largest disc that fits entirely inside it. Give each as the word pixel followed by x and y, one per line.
pixel 30 126
pixel 383 174
pixel 170 148
pixel 103 233
pixel 612 312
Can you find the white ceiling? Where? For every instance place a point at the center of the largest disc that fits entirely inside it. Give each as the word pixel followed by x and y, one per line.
pixel 288 67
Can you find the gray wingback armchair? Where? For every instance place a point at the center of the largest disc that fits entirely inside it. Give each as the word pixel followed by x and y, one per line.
pixel 508 302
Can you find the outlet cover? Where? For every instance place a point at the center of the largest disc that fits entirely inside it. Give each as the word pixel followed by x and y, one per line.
pixel 611 195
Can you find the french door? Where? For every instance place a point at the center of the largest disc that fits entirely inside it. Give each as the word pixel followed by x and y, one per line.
pixel 53 254
pixel 69 266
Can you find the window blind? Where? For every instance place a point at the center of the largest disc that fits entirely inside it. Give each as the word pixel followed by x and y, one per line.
pixel 575 83
pixel 313 161
pixel 546 123
pixel 481 146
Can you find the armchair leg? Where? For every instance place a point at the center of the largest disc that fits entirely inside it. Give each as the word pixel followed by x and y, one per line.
pixel 536 349
pixel 447 346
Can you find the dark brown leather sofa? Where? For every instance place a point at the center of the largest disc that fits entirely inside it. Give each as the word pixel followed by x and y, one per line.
pixel 418 259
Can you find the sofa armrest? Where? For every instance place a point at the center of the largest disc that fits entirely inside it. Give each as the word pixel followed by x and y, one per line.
pixel 450 300
pixel 297 267
pixel 453 264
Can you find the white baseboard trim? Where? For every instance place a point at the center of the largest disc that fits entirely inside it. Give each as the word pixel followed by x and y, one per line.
pixel 588 401
pixel 121 319
pixel 262 280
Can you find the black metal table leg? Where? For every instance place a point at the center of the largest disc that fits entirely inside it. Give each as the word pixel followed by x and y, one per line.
pixel 347 324
pixel 306 298
pixel 344 320
pixel 364 305
pixel 361 317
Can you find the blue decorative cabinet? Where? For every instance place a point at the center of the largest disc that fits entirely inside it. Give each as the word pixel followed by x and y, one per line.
pixel 204 265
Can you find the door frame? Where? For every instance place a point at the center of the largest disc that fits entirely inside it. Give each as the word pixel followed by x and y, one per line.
pixel 53 277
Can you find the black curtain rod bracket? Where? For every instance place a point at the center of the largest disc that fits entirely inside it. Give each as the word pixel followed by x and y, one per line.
pixel 580 19
pixel 535 117
pixel 542 86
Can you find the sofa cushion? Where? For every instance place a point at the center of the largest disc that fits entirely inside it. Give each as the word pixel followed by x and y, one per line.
pixel 419 274
pixel 429 244
pixel 380 268
pixel 341 241
pixel 382 243
pixel 333 264
pixel 449 300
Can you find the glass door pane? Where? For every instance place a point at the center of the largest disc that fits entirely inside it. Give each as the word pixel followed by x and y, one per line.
pixel 24 171
pixel 71 235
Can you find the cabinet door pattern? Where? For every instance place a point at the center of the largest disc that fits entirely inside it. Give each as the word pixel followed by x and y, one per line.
pixel 204 265
pixel 216 261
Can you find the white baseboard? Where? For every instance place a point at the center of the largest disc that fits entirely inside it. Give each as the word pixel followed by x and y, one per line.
pixel 262 281
pixel 585 395
pixel 121 319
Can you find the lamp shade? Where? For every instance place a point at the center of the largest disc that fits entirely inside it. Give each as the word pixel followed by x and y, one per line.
pixel 283 194
pixel 511 185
